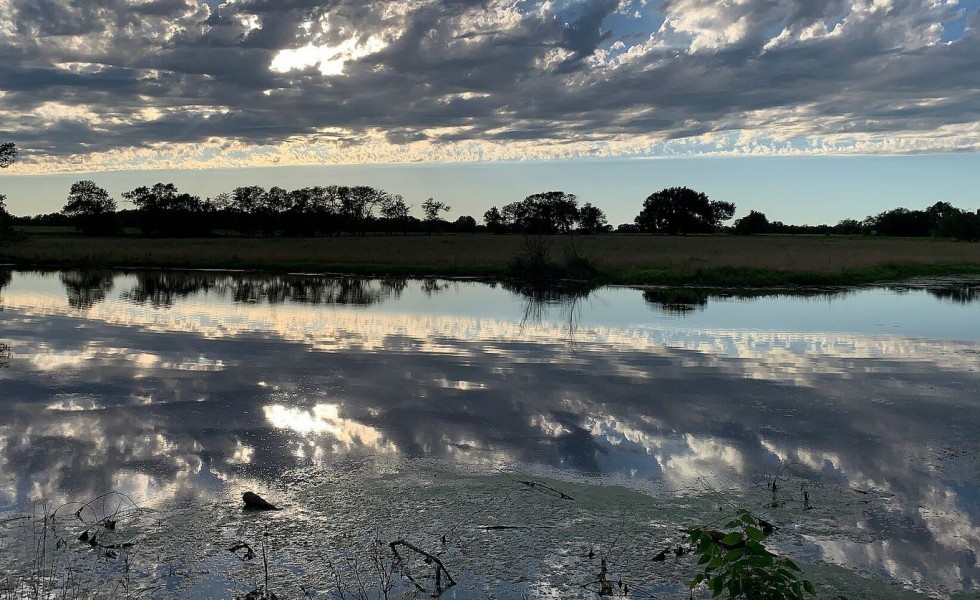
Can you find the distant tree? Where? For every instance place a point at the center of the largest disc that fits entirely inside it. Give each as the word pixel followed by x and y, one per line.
pixel 247 199
pixel 296 217
pixel 681 210
pixel 431 209
pixel 848 227
pixel 559 208
pixel 356 205
pixel 938 211
pixel 465 224
pixel 324 210
pixel 753 223
pixel 543 213
pixel 91 209
pixel 627 228
pixel 961 225
pixel 272 206
pixel 8 154
pixel 164 211
pixel 222 201
pixel 245 204
pixel 494 221
pixel 395 212
pixel 592 219
pixel 901 222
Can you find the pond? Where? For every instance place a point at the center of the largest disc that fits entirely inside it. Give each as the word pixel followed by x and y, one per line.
pixel 519 436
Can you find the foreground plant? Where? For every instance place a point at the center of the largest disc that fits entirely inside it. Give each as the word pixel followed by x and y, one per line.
pixel 736 562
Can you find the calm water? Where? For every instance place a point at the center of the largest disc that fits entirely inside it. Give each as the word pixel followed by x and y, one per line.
pixel 414 409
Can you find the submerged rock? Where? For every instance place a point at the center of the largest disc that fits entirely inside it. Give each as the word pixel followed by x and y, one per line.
pixel 255 502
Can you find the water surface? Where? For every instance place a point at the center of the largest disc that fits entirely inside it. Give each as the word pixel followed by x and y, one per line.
pixel 415 409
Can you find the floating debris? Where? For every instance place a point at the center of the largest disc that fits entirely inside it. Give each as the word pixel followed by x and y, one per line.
pixel 255 502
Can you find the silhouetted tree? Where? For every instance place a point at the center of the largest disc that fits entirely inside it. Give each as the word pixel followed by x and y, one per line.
pixel 753 223
pixel 681 210
pixel 295 217
pixel 901 222
pixel 272 206
pixel 356 205
pixel 245 203
pixel 8 154
pixel 396 213
pixel 465 224
pixel 938 211
pixel 431 209
pixel 592 219
pixel 543 213
pixel 494 220
pixel 164 211
pixel 961 224
pixel 324 210
pixel 848 227
pixel 91 209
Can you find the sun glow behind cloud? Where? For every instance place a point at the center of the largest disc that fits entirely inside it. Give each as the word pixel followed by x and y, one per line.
pixel 329 59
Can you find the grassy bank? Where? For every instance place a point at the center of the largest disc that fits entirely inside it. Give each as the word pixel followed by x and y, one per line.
pixel 626 259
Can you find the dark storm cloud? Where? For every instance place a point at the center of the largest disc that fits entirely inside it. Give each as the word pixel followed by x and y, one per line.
pixel 109 74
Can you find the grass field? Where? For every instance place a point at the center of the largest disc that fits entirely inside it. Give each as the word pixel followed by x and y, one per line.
pixel 637 259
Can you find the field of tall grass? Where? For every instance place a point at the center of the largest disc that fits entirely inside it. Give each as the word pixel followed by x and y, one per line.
pixel 616 258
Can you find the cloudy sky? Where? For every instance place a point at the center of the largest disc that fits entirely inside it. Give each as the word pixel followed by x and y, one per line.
pixel 809 109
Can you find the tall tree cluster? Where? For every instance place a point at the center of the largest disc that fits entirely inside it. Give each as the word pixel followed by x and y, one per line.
pixel 91 209
pixel 681 210
pixel 546 213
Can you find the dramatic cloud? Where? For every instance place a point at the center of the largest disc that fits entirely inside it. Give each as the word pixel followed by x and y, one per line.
pixel 114 84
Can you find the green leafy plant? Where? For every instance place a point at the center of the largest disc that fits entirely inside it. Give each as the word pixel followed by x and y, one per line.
pixel 735 561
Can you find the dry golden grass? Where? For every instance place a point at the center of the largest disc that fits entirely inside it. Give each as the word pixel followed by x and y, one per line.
pixel 489 253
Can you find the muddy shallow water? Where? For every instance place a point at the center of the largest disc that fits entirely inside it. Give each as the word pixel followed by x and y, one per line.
pixel 520 436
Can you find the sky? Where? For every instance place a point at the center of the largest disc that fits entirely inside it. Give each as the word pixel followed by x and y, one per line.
pixel 809 110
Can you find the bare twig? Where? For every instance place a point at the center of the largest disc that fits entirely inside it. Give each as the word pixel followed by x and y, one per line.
pixel 537 485
pixel 440 568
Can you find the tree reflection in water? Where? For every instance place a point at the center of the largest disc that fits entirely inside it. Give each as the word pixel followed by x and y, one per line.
pixel 6 276
pixel 566 295
pixel 163 289
pixel 86 288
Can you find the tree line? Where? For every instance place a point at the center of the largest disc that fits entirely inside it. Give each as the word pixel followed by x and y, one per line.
pixel 942 219
pixel 162 210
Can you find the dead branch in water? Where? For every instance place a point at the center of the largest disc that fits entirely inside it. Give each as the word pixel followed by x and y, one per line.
pixel 537 485
pixel 429 558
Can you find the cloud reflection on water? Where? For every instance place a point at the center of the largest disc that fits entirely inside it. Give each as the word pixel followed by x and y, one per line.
pixel 178 395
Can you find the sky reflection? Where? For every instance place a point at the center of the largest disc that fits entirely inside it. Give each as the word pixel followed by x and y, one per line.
pixel 165 387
